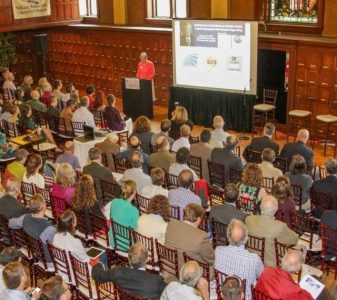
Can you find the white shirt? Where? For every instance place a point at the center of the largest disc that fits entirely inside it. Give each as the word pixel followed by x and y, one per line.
pixel 181 142
pixel 82 114
pixel 218 138
pixel 150 191
pixel 36 179
pixel 139 177
pixel 152 225
pixel 178 291
pixel 176 168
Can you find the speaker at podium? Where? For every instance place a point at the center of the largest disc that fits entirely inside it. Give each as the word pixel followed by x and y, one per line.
pixel 137 97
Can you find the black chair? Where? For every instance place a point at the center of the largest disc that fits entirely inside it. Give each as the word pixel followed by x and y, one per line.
pixel 216 174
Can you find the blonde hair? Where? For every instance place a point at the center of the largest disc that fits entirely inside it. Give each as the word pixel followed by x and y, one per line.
pixel 185 130
pixel 128 188
pixel 65 175
pixel 42 81
pixel 180 114
pixel 218 122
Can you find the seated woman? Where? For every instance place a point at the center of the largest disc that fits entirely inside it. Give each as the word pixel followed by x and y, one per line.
pixel 98 103
pixel 298 176
pixel 33 166
pixel 250 187
pixel 85 200
pixel 286 206
pixel 28 124
pixel 179 117
pixel 14 111
pixel 47 93
pixel 142 130
pixel 63 188
pixel 123 212
pixel 9 87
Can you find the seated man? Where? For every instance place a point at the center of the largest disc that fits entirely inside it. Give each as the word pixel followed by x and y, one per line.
pixel 182 157
pixel 267 167
pixel 232 288
pixel 82 114
pixel 234 259
pixel 226 212
pixel 156 188
pixel 183 194
pixel 134 145
pixel 133 279
pixel 35 102
pixel 35 223
pixel 68 156
pixel 162 158
pixel 10 206
pixel 266 226
pixel 17 168
pixel 219 136
pixel 299 147
pixel 258 144
pixel 136 173
pixel 225 156
pixel 67 114
pixel 7 255
pixel 277 283
pixel 109 147
pixel 328 184
pixel 54 288
pixel 165 127
pixel 185 236
pixel 97 171
pixel 183 141
pixel 190 279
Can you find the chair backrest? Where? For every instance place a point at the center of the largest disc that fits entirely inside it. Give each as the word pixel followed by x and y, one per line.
pixel 267 183
pixel 253 156
pixel 82 225
pixel 10 129
pixel 77 127
pixel 108 190
pixel 106 291
pixel 322 172
pixel 194 162
pixel 235 175
pixel 281 164
pixel 20 239
pixel 142 203
pixel 61 263
pixel 81 275
pixel 124 295
pixel 246 205
pixel 237 150
pixel 194 140
pixel 100 229
pixel 121 165
pixel 53 123
pixel 297 191
pixel 99 119
pixel 205 267
pixel 167 259
pixel 63 130
pixel 256 295
pixel 123 137
pixel 216 174
pixel 175 212
pixel 220 278
pixel 58 205
pixel 216 195
pixel 27 190
pixel 321 201
pixel 256 244
pixel 269 96
pixel 219 232
pixel 121 236
pixel 5 236
pixel 104 160
pixel 36 248
pixel 280 251
pixel 171 181
pixel 329 241
pixel 148 242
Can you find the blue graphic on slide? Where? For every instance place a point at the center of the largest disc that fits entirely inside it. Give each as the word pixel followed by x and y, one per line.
pixel 191 60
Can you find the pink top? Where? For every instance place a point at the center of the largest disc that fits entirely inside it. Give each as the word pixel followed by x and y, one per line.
pixel 63 193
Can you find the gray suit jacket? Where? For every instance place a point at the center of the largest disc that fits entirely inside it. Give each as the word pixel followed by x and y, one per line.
pixel 225 213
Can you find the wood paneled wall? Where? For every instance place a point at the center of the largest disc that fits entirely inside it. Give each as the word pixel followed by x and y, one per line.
pixel 62 11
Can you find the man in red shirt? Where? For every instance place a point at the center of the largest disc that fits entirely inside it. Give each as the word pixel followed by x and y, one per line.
pixel 277 283
pixel 146 70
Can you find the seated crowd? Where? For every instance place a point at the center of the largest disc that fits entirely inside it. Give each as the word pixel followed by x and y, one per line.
pixel 166 223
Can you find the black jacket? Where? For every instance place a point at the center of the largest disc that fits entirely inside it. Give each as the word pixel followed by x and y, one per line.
pixel 137 282
pixel 225 213
pixel 260 143
pixel 291 149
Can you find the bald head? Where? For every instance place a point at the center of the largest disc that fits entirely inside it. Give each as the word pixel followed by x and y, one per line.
pixel 190 273
pixel 35 95
pixel 303 135
pixel 269 206
pixel 185 179
pixel 69 146
pixel 134 142
pixel 163 143
pixel 292 261
pixel 237 233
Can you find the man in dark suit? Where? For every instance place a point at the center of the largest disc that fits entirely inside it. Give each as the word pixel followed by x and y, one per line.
pixel 260 143
pixel 225 156
pixel 10 207
pixel 97 171
pixel 135 279
pixel 299 147
pixel 328 184
pixel 226 212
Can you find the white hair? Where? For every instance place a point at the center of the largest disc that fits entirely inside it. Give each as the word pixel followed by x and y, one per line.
pixel 269 206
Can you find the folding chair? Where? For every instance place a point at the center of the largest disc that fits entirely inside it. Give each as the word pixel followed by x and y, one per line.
pixel 142 203
pixel 253 156
pixel 194 162
pixel 58 206
pixel 281 164
pixel 77 128
pixel 216 196
pixel 256 244
pixel 175 212
pixel 124 295
pixel 267 183
pixel 106 291
pixel 321 201
pixel 167 259
pixel 297 191
pixel 194 140
pixel 216 174
pixel 5 236
pixel 27 191
pixel 329 248
pixel 122 241
pixel 121 165
pixel 235 175
pixel 219 233
pixel 108 190
pixel 149 243
pixel 171 181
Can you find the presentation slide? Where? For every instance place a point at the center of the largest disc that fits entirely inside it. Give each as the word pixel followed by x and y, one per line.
pixel 219 55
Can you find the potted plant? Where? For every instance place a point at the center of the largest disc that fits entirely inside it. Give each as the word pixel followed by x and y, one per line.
pixel 7 49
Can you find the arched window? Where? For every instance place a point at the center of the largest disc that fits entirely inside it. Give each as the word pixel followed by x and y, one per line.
pixel 88 8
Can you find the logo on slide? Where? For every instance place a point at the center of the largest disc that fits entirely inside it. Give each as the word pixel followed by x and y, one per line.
pixel 234 63
pixel 191 60
pixel 212 61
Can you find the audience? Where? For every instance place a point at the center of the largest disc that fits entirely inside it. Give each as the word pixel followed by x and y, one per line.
pixel 17 167
pixel 203 149
pixel 234 259
pixel 183 141
pixel 35 103
pixel 123 212
pixel 218 135
pixel 232 288
pixel 98 104
pixel 14 111
pixel 142 130
pixel 191 285
pixel 328 184
pixel 70 94
pixel 136 172
pixel 267 167
pixel 226 212
pixel 165 127
pixel 83 115
pixel 179 118
pixel 186 236
pixel 90 91
pixel 52 114
pixel 298 176
pixel 8 86
pixel 109 147
pixel 57 87
pixel 46 93
pixel 133 279
pixel 55 288
pixel 26 87
pixel 266 226
pixel 68 156
pixel 225 156
pixel 156 188
pixel 299 147
pixel 7 255
pixel 183 195
pixel 162 158
pixel 10 205
pixel 41 83
pixel 32 175
pixel 114 118
pixel 67 114
pixel 182 157
pixel 277 283
pixel 63 187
